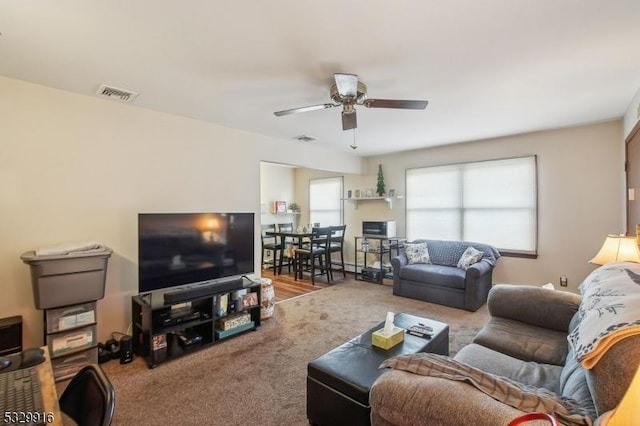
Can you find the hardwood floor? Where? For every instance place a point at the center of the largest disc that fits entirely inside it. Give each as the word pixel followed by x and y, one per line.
pixel 286 287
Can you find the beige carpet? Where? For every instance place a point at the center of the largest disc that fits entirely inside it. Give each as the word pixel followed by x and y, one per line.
pixel 259 378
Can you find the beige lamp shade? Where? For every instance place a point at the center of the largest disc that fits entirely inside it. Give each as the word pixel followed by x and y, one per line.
pixel 617 248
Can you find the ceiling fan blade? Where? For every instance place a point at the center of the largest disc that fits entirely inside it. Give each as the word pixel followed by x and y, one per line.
pixel 347 84
pixel 304 109
pixel 349 120
pixel 395 103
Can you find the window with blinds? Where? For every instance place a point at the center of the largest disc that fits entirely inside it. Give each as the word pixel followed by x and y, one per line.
pixel 325 201
pixel 493 202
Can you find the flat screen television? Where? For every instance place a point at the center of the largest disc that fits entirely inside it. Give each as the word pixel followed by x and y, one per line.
pixel 186 248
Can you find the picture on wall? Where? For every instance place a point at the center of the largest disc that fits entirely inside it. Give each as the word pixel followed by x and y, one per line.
pixel 280 207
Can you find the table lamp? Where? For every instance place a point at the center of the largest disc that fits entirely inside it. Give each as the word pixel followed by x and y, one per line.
pixel 617 248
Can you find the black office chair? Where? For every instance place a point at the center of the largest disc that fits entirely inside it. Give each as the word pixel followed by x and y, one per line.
pixel 89 398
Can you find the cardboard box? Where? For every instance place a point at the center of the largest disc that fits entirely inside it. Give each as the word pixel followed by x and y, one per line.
pixel 387 341
pixel 221 334
pixel 233 321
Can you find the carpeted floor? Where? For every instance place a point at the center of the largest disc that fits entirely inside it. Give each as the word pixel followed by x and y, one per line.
pixel 259 378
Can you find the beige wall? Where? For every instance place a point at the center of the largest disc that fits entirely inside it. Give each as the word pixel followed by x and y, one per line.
pixel 75 167
pixel 580 178
pixel 632 115
pixel 276 184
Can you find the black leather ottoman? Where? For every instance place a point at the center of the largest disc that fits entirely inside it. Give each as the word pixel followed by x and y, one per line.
pixel 338 382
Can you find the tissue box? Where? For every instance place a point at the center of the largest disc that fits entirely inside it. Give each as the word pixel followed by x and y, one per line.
pixel 387 341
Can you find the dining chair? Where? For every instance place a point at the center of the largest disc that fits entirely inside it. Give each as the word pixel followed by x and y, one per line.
pixel 89 398
pixel 285 253
pixel 317 251
pixel 336 245
pixel 268 243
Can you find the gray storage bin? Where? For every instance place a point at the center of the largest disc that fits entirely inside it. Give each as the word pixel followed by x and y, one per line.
pixel 62 280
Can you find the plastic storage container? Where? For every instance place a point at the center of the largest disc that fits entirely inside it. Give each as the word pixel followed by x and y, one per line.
pixel 72 341
pixel 69 317
pixel 62 280
pixel 67 367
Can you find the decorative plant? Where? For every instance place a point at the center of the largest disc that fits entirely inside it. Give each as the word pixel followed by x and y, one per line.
pixel 380 189
pixel 294 207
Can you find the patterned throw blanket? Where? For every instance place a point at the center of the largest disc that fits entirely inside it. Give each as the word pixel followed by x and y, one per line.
pixel 523 397
pixel 609 312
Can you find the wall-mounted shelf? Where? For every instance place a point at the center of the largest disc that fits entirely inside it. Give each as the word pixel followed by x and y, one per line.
pixel 283 213
pixel 357 200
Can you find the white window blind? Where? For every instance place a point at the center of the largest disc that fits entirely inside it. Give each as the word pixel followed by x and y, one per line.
pixel 493 202
pixel 325 201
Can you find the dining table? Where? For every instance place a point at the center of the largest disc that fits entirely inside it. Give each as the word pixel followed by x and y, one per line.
pixel 298 238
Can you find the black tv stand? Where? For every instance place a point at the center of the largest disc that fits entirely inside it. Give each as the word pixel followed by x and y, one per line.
pixel 194 319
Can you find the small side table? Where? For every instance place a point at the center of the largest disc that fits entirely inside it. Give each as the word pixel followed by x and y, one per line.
pixel 268 298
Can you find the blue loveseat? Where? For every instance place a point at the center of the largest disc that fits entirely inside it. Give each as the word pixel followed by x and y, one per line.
pixel 441 281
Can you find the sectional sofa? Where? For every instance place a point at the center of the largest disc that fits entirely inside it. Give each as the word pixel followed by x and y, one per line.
pixel 570 355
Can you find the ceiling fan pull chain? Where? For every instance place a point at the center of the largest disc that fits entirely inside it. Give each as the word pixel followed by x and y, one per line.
pixel 354 146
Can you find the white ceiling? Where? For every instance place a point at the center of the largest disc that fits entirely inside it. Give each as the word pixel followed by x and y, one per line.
pixel 487 67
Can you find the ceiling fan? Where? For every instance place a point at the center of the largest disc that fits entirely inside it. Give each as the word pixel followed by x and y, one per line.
pixel 349 92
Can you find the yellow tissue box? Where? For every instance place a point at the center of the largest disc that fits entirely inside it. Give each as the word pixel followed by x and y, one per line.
pixel 387 341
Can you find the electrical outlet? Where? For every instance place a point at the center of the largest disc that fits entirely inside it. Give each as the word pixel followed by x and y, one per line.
pixel 268 252
pixel 563 281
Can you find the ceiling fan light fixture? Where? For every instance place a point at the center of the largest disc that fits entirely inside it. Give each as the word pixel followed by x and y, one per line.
pixel 361 94
pixel 349 120
pixel 348 109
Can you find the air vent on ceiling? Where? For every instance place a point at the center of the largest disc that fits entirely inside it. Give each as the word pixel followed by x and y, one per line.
pixel 115 93
pixel 305 138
